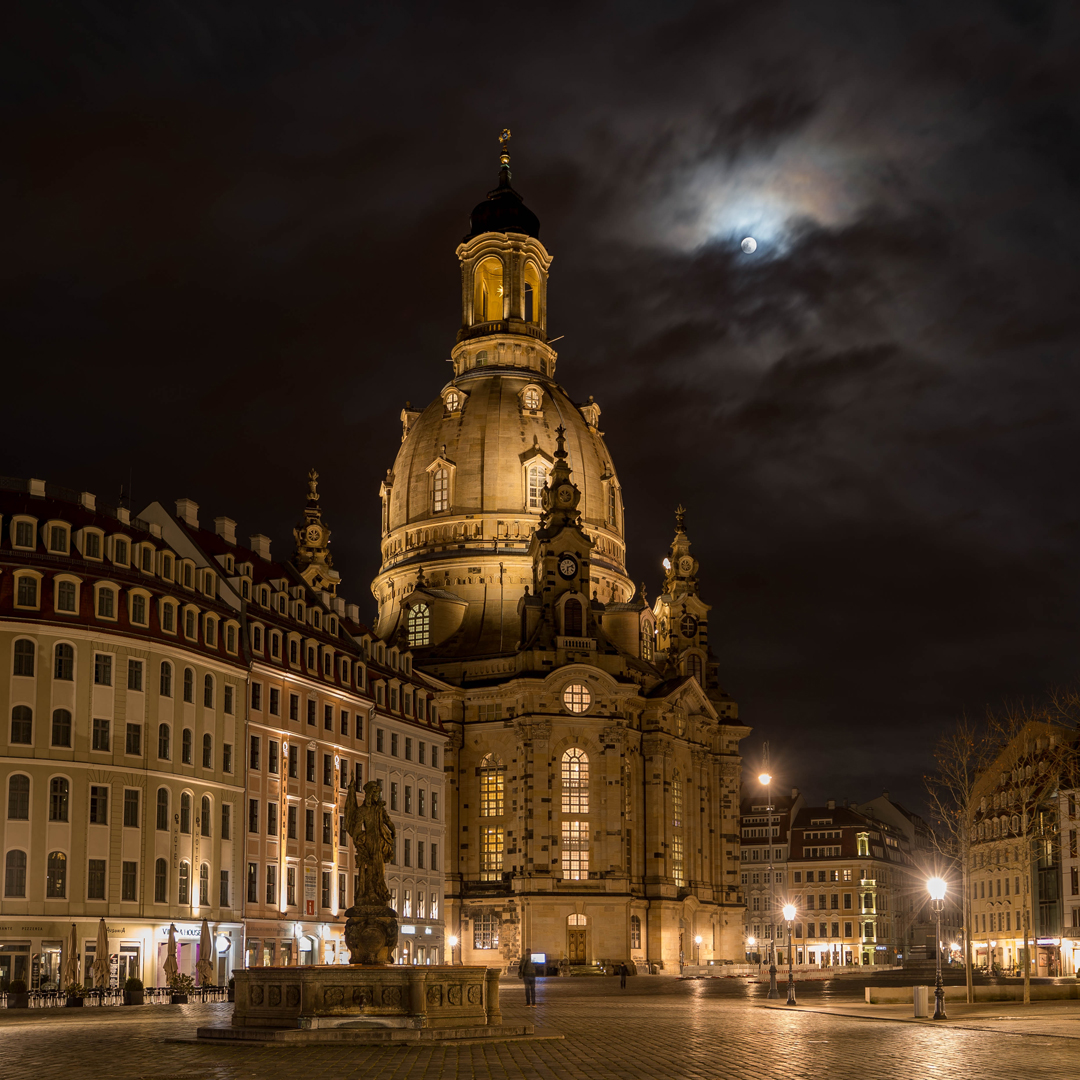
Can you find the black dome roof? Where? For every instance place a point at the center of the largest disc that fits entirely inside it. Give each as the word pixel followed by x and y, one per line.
pixel 503 211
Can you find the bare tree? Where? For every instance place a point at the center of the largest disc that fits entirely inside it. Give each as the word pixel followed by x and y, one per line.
pixel 961 756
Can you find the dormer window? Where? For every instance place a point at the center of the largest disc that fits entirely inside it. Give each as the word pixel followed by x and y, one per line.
pixel 530 398
pixel 264 597
pixel 146 558
pixel 316 619
pixel 333 626
pixel 24 534
pixel 452 401
pixel 189 575
pixel 245 589
pixel 91 544
pixel 166 566
pixel 58 539
pixel 120 551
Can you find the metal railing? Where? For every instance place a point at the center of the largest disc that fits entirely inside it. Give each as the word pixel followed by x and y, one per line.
pixel 92 999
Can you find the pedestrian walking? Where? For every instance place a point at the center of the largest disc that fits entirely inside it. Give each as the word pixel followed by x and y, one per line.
pixel 623 972
pixel 527 970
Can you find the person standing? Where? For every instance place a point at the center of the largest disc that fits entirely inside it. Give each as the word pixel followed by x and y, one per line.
pixel 528 975
pixel 623 972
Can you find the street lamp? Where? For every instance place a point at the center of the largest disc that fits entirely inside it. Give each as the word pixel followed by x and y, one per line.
pixel 697 950
pixel 751 941
pixel 789 914
pixel 937 889
pixel 452 941
pixel 766 781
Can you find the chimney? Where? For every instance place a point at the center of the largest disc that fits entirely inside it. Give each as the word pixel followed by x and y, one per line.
pixel 884 794
pixel 123 514
pixel 87 500
pixel 339 605
pixel 155 530
pixel 226 529
pixel 260 545
pixel 188 512
pixel 831 804
pixel 37 488
pixel 352 611
pixel 794 793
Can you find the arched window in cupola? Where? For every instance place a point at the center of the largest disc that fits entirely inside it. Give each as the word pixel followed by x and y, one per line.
pixel 488 299
pixel 420 625
pixel 532 293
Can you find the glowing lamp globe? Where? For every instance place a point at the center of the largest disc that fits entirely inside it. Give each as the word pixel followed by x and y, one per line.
pixel 451 940
pixel 764 778
pixel 751 941
pixel 697 940
pixel 937 888
pixel 789 912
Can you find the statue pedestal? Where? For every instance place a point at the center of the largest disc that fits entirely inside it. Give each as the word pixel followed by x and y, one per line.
pixel 371 933
pixel 368 996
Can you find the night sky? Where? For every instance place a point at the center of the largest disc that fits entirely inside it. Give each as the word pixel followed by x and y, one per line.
pixel 228 255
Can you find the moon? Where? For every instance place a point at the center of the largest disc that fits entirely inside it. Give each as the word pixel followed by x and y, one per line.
pixel 749 245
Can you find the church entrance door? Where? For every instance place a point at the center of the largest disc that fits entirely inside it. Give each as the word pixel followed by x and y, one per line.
pixel 577 946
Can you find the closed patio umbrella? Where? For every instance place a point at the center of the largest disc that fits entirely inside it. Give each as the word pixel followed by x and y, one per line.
pixel 205 965
pixel 71 966
pixel 170 960
pixel 101 956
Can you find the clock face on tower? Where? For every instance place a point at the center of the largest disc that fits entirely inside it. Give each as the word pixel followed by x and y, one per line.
pixel 314 534
pixel 567 566
pixel 686 564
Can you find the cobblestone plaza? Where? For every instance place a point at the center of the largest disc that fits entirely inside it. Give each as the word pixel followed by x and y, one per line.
pixel 658 1027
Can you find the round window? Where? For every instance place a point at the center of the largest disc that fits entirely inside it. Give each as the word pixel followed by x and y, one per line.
pixel 576 697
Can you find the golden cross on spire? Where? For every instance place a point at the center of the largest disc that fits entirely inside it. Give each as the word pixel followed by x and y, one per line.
pixel 504 146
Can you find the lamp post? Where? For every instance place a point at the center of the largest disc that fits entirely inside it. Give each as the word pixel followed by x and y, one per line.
pixel 697 951
pixel 937 888
pixel 766 780
pixel 751 941
pixel 789 914
pixel 452 941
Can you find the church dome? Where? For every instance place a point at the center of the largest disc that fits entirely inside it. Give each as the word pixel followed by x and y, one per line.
pixel 463 497
pixel 503 211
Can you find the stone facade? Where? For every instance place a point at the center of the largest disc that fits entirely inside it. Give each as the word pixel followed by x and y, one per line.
pixel 593 767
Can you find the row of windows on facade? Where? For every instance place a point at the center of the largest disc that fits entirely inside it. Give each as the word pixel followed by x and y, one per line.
pixel 95 545
pixel 818 930
pixel 330 770
pixel 273 644
pixel 979 888
pixel 107 607
pixel 18 806
pixel 15 867
pixel 63 669
pixel 281 602
pixel 413 705
pixel 824 901
pixel 62 731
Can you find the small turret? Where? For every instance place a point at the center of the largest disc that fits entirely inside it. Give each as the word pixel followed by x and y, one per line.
pixel 312 556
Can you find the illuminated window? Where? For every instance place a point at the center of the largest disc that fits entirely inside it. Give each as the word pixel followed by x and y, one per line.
pixel 488 301
pixel 576 697
pixel 647 641
pixel 575 850
pixel 492 842
pixel 56 882
pixel 531 398
pixel 491 786
pixel 453 401
pixel 537 478
pixel 676 800
pixel 575 781
pixel 420 625
pixel 677 861
pixel 440 489
pixel 485 932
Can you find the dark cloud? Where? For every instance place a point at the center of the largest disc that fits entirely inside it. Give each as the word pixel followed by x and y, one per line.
pixel 229 254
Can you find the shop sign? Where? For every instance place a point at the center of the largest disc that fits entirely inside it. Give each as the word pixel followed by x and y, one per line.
pixel 310 875
pixel 32 929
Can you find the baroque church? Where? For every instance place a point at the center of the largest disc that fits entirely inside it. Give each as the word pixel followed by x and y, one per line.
pixel 593 771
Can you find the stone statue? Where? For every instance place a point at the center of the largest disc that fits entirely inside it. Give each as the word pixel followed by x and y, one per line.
pixel 371 931
pixel 373 836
